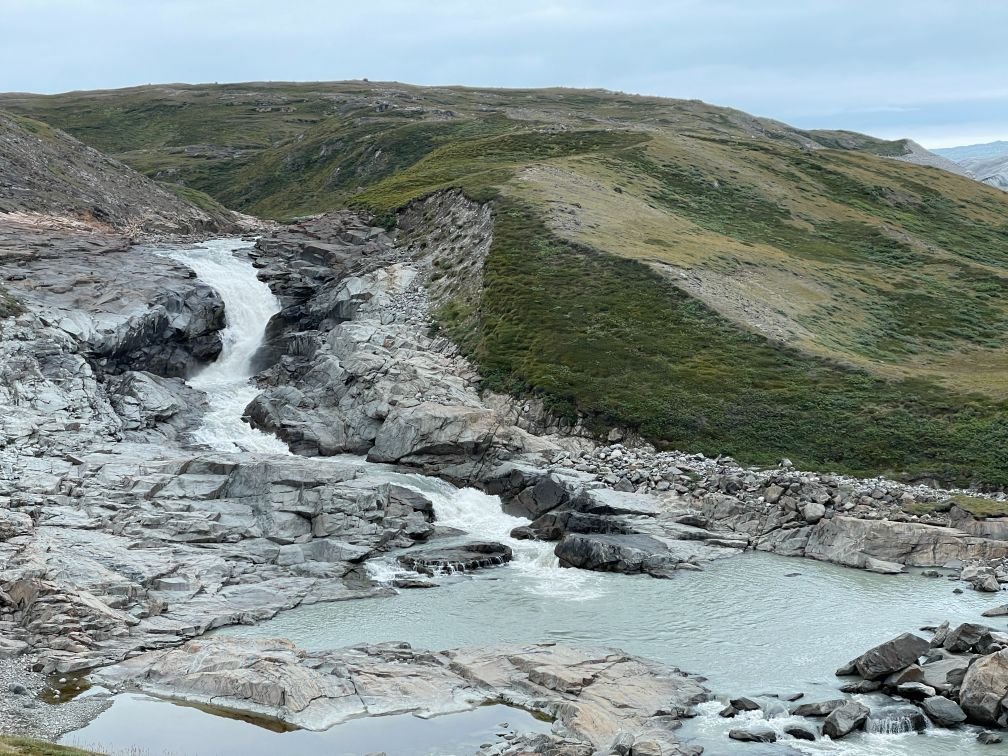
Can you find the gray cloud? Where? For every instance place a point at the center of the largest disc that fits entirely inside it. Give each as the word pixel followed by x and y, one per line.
pixel 929 69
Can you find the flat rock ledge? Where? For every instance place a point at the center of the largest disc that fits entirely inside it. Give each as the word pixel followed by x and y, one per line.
pixel 596 697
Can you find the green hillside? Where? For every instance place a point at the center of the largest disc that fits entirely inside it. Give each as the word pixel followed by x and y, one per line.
pixel 723 283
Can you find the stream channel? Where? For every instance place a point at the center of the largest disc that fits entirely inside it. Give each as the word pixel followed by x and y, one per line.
pixel 752 624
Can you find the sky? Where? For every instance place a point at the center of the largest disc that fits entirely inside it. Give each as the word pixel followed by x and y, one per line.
pixel 932 70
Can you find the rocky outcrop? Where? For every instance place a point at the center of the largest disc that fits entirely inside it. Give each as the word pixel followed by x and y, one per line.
pixel 111 552
pixel 351 364
pixel 126 309
pixel 596 696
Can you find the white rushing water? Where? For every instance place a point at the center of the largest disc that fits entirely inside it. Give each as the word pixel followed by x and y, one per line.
pixel 248 305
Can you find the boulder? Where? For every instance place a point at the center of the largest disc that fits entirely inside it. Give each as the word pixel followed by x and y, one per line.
pixel 818 709
pixel 845 719
pixel 799 733
pixel 967 637
pixel 997 611
pixel 983 688
pixel 754 735
pixel 942 711
pixel 891 656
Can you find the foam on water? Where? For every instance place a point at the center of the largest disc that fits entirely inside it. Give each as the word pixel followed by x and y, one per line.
pixel 248 305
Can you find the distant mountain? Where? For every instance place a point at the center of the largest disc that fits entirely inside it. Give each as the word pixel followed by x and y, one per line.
pixel 974 151
pixel 987 162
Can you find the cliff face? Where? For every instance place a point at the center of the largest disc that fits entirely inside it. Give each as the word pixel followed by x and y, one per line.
pixel 46 171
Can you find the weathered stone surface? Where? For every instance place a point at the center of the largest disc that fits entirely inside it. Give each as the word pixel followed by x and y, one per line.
pixel 942 711
pixel 845 719
pixel 891 656
pixel 753 735
pixel 984 687
pixel 596 695
pixel 818 708
pixel 895 719
pixel 464 558
pixel 632 554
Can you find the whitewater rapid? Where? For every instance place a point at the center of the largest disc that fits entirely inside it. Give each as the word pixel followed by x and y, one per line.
pixel 248 306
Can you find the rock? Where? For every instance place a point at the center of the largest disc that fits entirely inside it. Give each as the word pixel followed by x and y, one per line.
pixel 799 733
pixel 989 738
pixel 915 691
pixel 891 656
pixel 968 636
pixel 745 704
pixel 16 689
pixel 845 719
pixel 728 712
pixel 632 554
pixel 818 709
pixel 754 735
pixel 599 697
pixel 861 686
pixel 997 611
pixel 465 558
pixel 942 711
pixel 622 744
pixel 813 512
pixel 983 688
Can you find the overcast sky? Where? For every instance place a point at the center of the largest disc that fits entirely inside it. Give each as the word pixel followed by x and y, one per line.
pixel 932 70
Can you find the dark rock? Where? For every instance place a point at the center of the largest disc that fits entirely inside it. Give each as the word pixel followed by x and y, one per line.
pixel 800 733
pixel 728 712
pixel 989 738
pixel 845 719
pixel 762 735
pixel 915 691
pixel 967 637
pixel 628 554
pixel 17 689
pixel 465 558
pixel 861 686
pixel 891 656
pixel 942 711
pixel 745 704
pixel 819 708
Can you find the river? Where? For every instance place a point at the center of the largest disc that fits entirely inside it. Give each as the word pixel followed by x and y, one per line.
pixel 751 624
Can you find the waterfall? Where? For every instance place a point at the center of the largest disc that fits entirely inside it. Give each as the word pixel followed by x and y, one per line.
pixel 248 305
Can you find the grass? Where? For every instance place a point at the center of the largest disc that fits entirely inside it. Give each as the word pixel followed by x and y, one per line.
pixel 978 507
pixel 885 281
pixel 28 747
pixel 609 338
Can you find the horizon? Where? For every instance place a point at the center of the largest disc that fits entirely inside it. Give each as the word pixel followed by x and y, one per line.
pixel 923 71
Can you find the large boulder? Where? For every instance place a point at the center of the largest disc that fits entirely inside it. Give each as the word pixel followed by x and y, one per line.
pixel 891 656
pixel 984 687
pixel 632 554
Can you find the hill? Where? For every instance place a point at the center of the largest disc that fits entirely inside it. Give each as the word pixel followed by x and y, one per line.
pixel 721 282
pixel 48 172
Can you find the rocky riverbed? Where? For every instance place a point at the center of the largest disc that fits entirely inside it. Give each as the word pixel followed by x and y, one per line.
pixel 123 538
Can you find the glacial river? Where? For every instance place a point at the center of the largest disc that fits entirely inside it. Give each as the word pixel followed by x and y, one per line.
pixel 751 624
